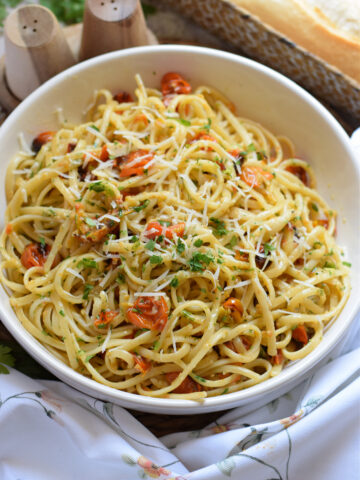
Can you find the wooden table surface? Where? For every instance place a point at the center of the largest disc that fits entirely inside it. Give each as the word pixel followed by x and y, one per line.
pixel 169 28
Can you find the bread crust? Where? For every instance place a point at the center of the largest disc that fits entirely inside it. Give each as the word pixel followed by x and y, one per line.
pixel 309 30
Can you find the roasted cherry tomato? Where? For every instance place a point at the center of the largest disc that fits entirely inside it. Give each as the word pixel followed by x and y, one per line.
pixel 123 97
pixel 149 313
pixel 186 386
pixel 41 139
pixel 133 163
pixel 300 173
pixel 105 318
pixel 254 176
pixel 173 83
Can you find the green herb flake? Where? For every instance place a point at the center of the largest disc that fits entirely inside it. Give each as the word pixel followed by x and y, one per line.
pixel 143 205
pixel 224 391
pixel 249 148
pixel 347 264
pixel 233 242
pixel 174 282
pixel 198 260
pixel 88 358
pixel 97 187
pixel 315 207
pixel 150 245
pixel 94 127
pixel 156 259
pixel 87 263
pixel 201 379
pixel 87 290
pixel 62 313
pixel 120 278
pixel 180 246
pixel 140 331
pixel 268 248
pixel 198 242
pixel 184 122
pixel 208 125
pixel 329 265
pixel 218 227
pixel 42 241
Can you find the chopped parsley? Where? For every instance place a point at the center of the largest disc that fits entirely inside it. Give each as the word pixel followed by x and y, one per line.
pixel 143 205
pixel 329 265
pixel 233 242
pixel 198 242
pixel 42 242
pixel 61 312
pixel 218 227
pixel 186 314
pixel 201 379
pixel 150 245
pixel 101 187
pixel 87 290
pixel 164 222
pixel 134 239
pixel 87 263
pixel 88 358
pixel 268 248
pixel 198 260
pixel 347 264
pixel 156 259
pixel 249 148
pixel 315 207
pixel 174 282
pixel 208 125
pixel 184 122
pixel 94 127
pixel 180 246
pixel 120 278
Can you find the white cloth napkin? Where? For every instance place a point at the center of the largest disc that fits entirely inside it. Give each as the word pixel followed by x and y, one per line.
pixel 49 431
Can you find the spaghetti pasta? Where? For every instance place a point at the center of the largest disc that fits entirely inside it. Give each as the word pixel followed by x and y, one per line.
pixel 169 248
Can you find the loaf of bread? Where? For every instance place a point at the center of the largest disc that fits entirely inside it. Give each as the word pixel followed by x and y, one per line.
pixel 329 29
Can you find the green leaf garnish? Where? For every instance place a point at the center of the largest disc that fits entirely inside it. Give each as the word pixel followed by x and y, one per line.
pixel 150 245
pixel 143 205
pixel 156 259
pixel 87 263
pixel 87 290
pixel 268 248
pixel 174 282
pixel 180 246
pixel 6 358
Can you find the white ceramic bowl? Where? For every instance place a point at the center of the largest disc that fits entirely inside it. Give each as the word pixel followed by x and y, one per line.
pixel 260 94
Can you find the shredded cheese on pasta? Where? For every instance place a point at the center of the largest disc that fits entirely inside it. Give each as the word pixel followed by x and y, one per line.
pixel 170 248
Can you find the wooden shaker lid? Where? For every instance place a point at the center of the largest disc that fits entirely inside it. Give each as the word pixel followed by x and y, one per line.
pixel 35 49
pixel 113 25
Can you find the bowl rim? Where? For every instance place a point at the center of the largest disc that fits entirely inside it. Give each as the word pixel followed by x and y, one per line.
pixel 39 352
